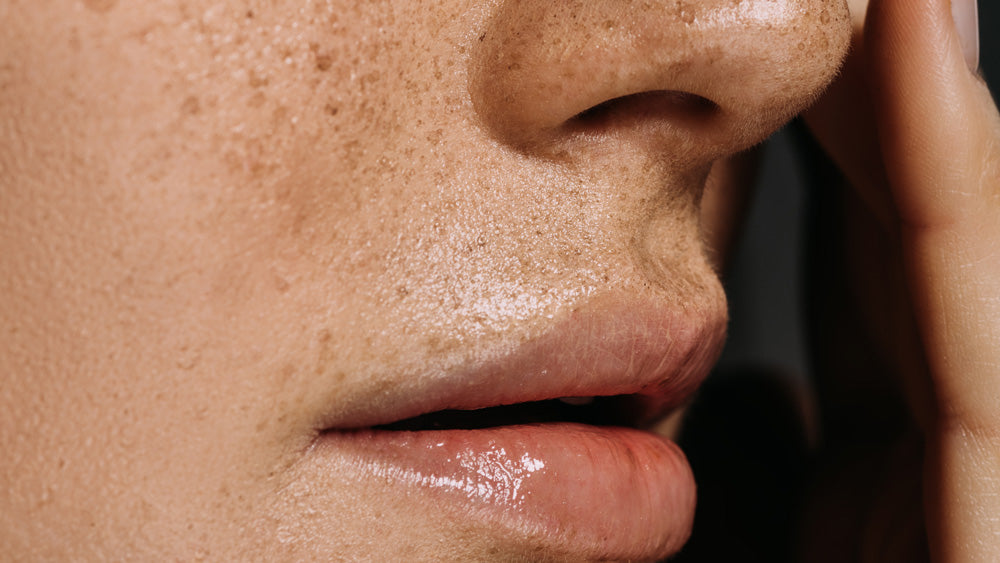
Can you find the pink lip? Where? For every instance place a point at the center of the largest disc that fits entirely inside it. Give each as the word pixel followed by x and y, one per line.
pixel 610 348
pixel 580 490
pixel 595 492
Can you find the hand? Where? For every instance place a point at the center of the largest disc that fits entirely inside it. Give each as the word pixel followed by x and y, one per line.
pixel 917 136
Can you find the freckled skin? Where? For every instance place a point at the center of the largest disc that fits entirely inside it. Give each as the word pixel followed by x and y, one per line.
pixel 221 221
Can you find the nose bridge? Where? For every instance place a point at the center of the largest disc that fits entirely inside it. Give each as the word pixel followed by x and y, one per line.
pixel 758 62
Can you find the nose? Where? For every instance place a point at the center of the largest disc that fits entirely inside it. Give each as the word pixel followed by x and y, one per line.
pixel 705 77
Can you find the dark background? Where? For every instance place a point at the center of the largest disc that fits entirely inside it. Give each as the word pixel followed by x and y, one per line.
pixel 764 282
pixel 743 436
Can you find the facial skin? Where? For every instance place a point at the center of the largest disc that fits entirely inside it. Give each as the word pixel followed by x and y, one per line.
pixel 227 226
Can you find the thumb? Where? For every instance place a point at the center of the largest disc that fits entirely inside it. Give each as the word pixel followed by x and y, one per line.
pixel 938 124
pixel 939 133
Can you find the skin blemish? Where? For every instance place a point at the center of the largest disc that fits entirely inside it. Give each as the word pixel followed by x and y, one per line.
pixel 281 284
pixel 348 227
pixel 191 106
pixel 257 100
pixel 327 353
pixel 324 60
pixel 257 81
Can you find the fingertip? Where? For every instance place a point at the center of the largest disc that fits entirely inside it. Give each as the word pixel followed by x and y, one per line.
pixel 916 45
pixel 934 120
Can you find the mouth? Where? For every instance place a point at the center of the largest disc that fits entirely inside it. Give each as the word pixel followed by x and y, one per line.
pixel 551 443
pixel 592 411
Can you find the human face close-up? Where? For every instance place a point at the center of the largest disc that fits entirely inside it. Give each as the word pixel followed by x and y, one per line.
pixel 250 251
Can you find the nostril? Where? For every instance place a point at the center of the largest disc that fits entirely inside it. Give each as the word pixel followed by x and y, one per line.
pixel 657 107
pixel 713 76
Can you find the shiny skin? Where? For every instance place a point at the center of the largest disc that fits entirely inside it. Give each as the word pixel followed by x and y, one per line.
pixel 222 222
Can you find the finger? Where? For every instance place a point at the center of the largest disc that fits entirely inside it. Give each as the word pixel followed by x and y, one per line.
pixel 843 122
pixel 936 119
pixel 939 131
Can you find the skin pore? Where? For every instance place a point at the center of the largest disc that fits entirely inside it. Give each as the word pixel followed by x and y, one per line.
pixel 228 226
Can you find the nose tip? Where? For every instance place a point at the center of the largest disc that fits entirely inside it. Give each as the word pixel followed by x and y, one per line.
pixel 718 75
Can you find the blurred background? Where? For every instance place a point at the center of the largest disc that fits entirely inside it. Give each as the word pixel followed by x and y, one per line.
pixel 744 435
pixel 764 282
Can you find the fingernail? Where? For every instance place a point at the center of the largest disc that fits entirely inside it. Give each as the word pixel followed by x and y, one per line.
pixel 966 15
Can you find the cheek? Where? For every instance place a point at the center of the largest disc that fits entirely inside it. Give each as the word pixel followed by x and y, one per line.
pixel 213 226
pixel 143 290
pixel 224 198
pixel 191 231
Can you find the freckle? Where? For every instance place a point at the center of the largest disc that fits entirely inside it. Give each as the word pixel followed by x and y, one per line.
pixel 323 62
pixel 331 109
pixel 257 100
pixel 257 81
pixel 432 342
pixel 326 352
pixel 287 373
pixel 382 386
pixel 188 359
pixel 281 284
pixel 100 6
pixel 191 106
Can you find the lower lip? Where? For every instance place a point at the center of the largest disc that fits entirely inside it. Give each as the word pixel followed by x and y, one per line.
pixel 593 492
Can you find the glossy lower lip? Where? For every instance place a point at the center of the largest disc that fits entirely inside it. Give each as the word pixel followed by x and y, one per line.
pixel 573 491
pixel 583 491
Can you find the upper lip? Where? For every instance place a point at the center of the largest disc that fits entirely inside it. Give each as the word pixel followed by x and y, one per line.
pixel 653 356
